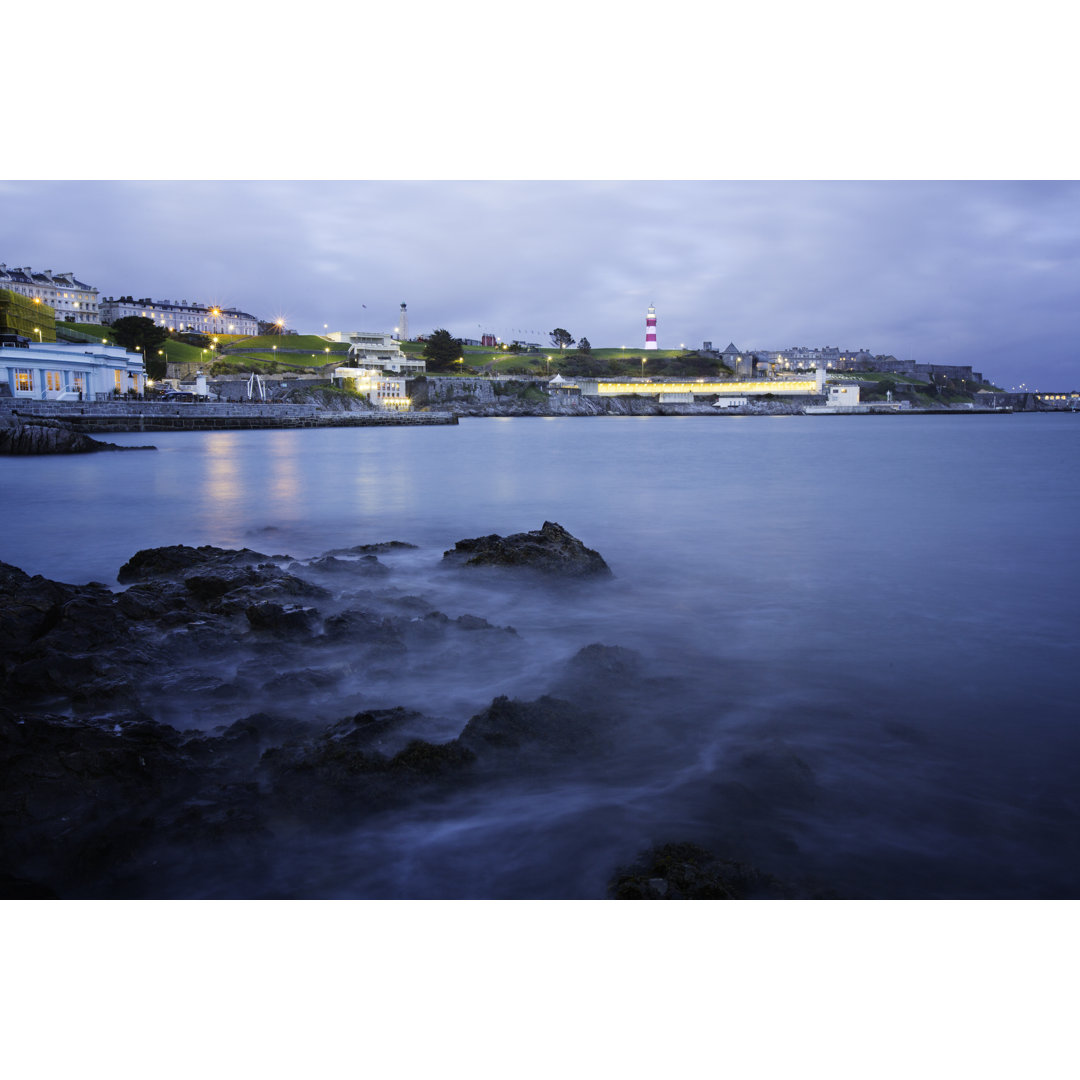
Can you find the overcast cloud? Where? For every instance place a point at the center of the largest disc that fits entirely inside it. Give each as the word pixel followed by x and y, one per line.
pixel 980 273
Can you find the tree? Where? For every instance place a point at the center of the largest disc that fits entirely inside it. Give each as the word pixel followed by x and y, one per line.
pixel 135 332
pixel 561 338
pixel 441 351
pixel 584 346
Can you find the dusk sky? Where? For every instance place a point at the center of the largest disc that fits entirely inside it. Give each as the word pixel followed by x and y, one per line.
pixel 982 273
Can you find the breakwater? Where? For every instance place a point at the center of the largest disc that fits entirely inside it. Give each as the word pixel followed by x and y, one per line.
pixel 108 416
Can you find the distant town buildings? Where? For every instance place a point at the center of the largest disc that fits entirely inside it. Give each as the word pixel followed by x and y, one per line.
pixel 72 300
pixel 180 315
pixel 739 363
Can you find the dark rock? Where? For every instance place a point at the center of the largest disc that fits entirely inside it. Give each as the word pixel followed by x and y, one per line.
pixel 362 627
pixel 245 584
pixel 365 566
pixel 171 561
pixel 372 729
pixel 285 620
pixel 374 549
pixel 339 775
pixel 13 888
pixel 548 723
pixel 154 601
pixel 40 435
pixel 474 622
pixel 421 761
pixel 550 550
pixel 29 606
pixel 689 872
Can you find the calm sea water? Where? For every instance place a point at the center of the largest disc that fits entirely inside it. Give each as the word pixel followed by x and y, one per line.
pixel 868 629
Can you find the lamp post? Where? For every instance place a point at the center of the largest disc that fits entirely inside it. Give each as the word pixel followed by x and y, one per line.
pixel 643 367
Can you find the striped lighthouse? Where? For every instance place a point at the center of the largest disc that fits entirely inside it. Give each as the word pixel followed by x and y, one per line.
pixel 650 328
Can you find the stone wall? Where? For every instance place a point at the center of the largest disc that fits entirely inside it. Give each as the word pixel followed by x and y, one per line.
pixel 209 416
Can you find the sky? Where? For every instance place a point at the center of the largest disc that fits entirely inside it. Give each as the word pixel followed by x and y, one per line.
pixel 968 272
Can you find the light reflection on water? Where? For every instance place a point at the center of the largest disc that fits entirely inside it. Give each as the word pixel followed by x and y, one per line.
pixel 895 599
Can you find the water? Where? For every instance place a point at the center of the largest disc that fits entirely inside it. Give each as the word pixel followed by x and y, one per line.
pixel 862 633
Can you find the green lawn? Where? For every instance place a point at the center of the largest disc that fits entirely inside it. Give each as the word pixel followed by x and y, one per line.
pixel 310 343
pixel 90 329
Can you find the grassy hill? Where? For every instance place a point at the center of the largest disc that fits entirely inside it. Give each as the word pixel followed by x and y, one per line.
pixel 310 343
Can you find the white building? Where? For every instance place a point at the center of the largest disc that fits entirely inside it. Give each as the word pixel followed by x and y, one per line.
pixel 65 372
pixel 377 351
pixel 843 395
pixel 179 315
pixel 386 391
pixel 72 300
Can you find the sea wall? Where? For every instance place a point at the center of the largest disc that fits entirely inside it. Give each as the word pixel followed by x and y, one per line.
pixel 209 416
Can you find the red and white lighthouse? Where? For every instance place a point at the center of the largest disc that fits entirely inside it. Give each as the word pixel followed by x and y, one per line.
pixel 650 328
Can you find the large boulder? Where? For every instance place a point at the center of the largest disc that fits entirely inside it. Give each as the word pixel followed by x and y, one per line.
pixel 173 560
pixel 549 550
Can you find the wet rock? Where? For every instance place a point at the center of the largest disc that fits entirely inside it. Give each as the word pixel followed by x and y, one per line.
pixel 29 606
pixel 688 872
pixel 340 775
pixel 71 785
pixel 40 435
pixel 605 662
pixel 173 560
pixel 550 550
pixel 154 601
pixel 245 584
pixel 474 622
pixel 282 620
pixel 548 723
pixel 374 729
pixel 364 566
pixel 362 627
pixel 374 549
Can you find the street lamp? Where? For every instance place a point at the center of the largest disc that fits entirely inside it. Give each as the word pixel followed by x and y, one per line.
pixel 38 332
pixel 643 367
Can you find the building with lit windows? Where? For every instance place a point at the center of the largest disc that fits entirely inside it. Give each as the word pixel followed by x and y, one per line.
pixel 68 372
pixel 386 391
pixel 180 315
pixel 71 299
pixel 693 389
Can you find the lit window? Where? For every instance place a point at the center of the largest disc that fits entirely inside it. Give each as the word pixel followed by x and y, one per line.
pixel 24 379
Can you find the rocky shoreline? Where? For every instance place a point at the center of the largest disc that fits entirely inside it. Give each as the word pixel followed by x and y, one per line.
pixel 109 788
pixel 41 435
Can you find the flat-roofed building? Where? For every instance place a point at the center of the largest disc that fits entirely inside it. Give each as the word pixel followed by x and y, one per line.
pixel 386 391
pixel 377 351
pixel 69 372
